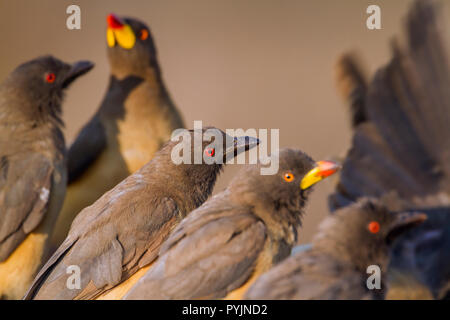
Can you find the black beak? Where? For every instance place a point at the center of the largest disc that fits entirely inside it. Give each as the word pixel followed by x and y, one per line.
pixel 403 222
pixel 239 145
pixel 78 69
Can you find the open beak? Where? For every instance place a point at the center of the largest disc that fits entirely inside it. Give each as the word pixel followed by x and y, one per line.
pixel 322 170
pixel 403 222
pixel 240 144
pixel 120 32
pixel 78 69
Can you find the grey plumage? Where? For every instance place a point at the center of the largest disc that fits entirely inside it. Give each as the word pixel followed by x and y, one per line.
pixel 32 157
pixel 238 234
pixel 336 266
pixel 123 230
pixel 134 120
pixel 403 149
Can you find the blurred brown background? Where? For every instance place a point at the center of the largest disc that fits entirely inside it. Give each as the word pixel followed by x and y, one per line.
pixel 230 63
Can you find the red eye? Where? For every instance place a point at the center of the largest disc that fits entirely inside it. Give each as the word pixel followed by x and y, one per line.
pixel 373 227
pixel 210 152
pixel 144 34
pixel 50 78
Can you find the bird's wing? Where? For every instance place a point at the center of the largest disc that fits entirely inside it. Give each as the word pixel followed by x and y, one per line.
pixel 307 276
pixel 92 139
pixel 25 191
pixel 108 242
pixel 48 267
pixel 405 143
pixel 89 144
pixel 211 253
pixel 352 84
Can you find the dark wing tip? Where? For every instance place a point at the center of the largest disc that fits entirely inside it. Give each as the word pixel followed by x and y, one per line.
pixel 351 81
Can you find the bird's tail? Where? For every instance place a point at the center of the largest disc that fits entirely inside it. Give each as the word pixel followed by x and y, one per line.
pixel 404 142
pixel 352 84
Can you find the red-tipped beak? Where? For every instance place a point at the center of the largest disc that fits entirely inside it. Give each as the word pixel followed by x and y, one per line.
pixel 327 168
pixel 322 170
pixel 114 22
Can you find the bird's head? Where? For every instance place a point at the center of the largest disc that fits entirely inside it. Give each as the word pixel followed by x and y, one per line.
pixel 196 157
pixel 40 85
pixel 286 191
pixel 364 232
pixel 130 45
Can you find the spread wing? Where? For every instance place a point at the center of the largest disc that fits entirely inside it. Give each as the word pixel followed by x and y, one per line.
pixel 404 146
pixel 108 242
pixel 405 143
pixel 88 145
pixel 25 190
pixel 212 252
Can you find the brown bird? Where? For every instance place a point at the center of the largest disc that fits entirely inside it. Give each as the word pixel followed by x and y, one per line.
pixel 220 248
pixel 402 147
pixel 336 267
pixel 121 233
pixel 135 118
pixel 33 172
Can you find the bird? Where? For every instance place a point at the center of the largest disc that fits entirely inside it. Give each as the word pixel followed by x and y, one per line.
pixel 33 171
pixel 116 238
pixel 135 118
pixel 401 147
pixel 221 247
pixel 347 244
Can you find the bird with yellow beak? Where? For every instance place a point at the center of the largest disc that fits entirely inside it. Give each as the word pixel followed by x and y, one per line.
pixel 119 32
pixel 219 249
pixel 136 117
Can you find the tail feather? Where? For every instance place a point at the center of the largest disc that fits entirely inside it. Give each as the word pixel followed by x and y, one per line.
pixel 404 143
pixel 352 85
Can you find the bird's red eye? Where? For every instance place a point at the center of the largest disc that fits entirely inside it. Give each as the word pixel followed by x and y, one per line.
pixel 373 227
pixel 288 177
pixel 50 77
pixel 210 152
pixel 144 34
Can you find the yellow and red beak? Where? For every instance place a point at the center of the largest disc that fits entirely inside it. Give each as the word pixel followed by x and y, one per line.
pixel 120 32
pixel 322 170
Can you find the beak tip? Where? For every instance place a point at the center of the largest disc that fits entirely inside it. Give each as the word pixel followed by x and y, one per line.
pixel 113 21
pixel 83 66
pixel 78 69
pixel 412 218
pixel 328 168
pixel 322 170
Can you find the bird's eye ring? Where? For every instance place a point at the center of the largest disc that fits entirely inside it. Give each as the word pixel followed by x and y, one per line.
pixel 143 34
pixel 288 177
pixel 373 227
pixel 50 77
pixel 210 152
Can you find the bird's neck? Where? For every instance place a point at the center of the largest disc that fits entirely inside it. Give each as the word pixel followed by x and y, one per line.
pixel 201 185
pixel 143 93
pixel 52 135
pixel 282 224
pixel 42 135
pixel 188 187
pixel 282 220
pixel 150 74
